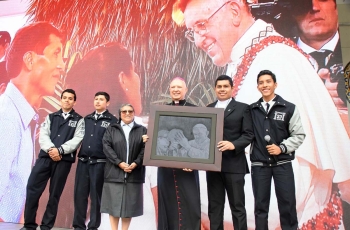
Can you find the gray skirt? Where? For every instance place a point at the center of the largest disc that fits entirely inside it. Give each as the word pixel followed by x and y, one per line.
pixel 123 200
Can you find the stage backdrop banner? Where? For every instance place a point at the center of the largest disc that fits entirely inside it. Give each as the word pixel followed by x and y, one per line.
pixel 132 50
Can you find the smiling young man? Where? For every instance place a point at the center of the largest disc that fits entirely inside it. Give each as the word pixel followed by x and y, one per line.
pixel 91 163
pixel 278 133
pixel 60 136
pixel 34 64
pixel 238 134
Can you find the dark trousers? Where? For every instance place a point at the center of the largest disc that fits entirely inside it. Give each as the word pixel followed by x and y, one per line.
pixel 88 181
pixel 217 183
pixel 283 178
pixel 43 170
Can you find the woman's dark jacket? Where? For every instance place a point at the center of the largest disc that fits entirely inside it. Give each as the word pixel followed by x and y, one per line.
pixel 114 147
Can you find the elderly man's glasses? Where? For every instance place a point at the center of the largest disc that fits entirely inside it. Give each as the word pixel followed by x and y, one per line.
pixel 127 111
pixel 200 27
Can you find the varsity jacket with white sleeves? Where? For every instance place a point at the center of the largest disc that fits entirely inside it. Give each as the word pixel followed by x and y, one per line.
pixel 63 134
pixel 283 124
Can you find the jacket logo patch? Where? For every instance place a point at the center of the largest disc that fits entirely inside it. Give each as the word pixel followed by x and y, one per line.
pixel 105 124
pixel 72 124
pixel 279 116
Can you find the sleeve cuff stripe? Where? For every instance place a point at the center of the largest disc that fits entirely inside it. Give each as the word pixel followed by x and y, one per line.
pixel 60 149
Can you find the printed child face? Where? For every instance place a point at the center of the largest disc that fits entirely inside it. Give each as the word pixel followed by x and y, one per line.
pixel 163 145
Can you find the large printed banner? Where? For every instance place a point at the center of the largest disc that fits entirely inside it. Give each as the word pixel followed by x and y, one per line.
pixel 132 50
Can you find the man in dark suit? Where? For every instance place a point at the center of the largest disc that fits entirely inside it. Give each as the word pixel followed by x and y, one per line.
pixel 317 24
pixel 238 134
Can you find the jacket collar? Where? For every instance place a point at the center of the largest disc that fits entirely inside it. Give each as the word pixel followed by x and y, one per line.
pixel 106 114
pixel 59 112
pixel 278 99
pixel 181 102
pixel 118 125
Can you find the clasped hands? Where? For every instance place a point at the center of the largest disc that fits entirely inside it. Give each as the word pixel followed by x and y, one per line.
pixel 54 154
pixel 126 167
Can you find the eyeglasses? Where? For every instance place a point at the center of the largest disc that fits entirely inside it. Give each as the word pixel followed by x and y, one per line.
pixel 127 111
pixel 200 27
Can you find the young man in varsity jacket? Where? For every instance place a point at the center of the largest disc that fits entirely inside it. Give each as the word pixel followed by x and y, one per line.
pixel 278 133
pixel 89 176
pixel 60 135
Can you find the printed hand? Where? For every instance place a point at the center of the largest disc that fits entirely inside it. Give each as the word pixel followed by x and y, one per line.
pixel 331 87
pixel 182 140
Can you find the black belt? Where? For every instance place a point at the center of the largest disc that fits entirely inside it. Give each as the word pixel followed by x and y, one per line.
pixel 91 160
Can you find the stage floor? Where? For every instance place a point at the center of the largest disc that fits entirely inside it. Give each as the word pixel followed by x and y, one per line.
pixel 11 226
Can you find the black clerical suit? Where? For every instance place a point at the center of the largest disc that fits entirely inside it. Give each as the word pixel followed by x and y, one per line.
pixel 178 197
pixel 332 60
pixel 238 129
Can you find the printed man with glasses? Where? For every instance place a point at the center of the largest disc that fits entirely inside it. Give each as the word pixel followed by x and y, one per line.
pixel 229 34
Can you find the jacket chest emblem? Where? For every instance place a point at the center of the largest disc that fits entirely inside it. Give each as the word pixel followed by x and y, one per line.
pixel 279 116
pixel 72 124
pixel 105 124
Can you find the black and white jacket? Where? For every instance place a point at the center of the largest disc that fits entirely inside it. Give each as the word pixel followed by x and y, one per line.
pixel 94 130
pixel 63 134
pixel 283 124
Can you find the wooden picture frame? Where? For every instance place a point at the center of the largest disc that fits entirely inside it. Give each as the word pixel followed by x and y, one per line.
pixel 184 137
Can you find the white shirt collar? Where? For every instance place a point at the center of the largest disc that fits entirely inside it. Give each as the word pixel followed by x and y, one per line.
pixel 131 124
pixel 330 45
pixel 223 104
pixel 66 112
pixel 100 113
pixel 270 101
pixel 97 115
